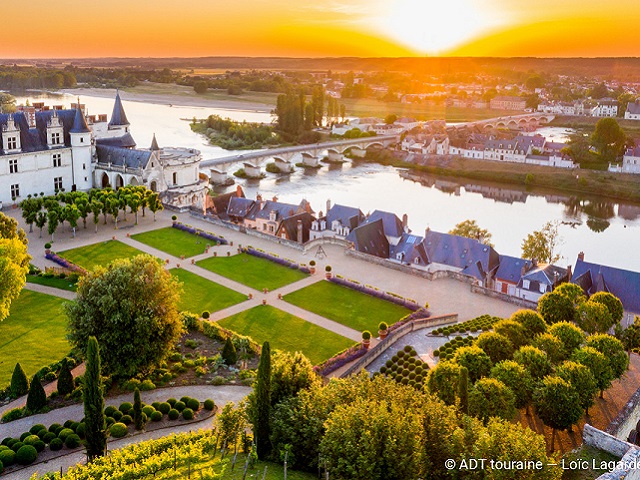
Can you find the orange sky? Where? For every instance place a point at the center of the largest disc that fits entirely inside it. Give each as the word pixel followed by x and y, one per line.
pixel 312 28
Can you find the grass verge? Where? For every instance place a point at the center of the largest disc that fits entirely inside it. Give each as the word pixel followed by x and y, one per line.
pixel 173 241
pixel 96 254
pixel 201 294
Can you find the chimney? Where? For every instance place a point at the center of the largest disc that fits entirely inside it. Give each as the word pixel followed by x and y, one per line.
pixel 239 191
pixel 569 273
pixel 259 200
pixel 405 222
pixel 328 205
pixel 581 256
pixel 299 231
pixel 275 199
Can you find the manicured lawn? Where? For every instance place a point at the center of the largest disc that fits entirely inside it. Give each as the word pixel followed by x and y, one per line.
pixel 287 332
pixel 173 241
pixel 54 282
pixel 251 271
pixel 33 334
pixel 201 294
pixel 99 253
pixel 345 306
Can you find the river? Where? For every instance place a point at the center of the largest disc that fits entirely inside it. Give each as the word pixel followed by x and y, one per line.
pixel 604 230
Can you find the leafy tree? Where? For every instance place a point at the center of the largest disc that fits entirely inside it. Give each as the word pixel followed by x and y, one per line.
pixel 390 119
pixel 291 373
pixel 571 291
pixel 230 423
pixel 470 229
pixel 41 221
pixel 543 244
pixel 19 382
pixel 37 398
pixel 557 404
pixel 613 350
pixel 598 364
pixel 513 330
pixel 599 91
pixel 593 317
pixel 534 81
pixel 570 336
pixel 261 411
pixel 630 336
pixel 53 220
pixel 14 263
pixel 623 100
pixel 579 149
pixel 475 360
pixel 463 391
pixel 555 308
pixel 609 139
pixel 517 378
pixel 154 204
pixel 534 360
pixel 65 379
pixel 581 378
pixel 552 346
pixel 93 398
pixel 131 308
pixel 442 380
pixel 137 410
pixel 497 346
pixel 229 354
pixel 491 398
pixel 96 208
pixel 200 87
pixel 613 304
pixel 531 320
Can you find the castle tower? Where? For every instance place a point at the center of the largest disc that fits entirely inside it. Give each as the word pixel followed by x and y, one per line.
pixel 81 152
pixel 118 117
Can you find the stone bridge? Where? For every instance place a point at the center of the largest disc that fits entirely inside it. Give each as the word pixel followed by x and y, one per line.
pixel 522 122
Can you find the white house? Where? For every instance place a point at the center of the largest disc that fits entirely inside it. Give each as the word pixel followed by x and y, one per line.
pixel 633 111
pixel 606 107
pixel 630 162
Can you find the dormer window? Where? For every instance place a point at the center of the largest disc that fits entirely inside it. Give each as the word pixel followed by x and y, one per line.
pixel 525 284
pixel 55 138
pixel 12 143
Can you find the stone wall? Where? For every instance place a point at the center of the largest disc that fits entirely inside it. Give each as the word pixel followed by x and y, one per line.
pixel 604 441
pixel 521 302
pixel 396 335
pixel 628 468
pixel 627 418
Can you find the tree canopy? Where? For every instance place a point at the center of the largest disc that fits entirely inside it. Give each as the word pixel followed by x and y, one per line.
pixel 609 139
pixel 14 262
pixel 543 244
pixel 131 308
pixel 471 229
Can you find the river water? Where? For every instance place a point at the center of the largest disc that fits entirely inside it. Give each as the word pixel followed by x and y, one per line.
pixel 606 231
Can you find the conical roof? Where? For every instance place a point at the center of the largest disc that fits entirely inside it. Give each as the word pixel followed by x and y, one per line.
pixel 79 123
pixel 154 144
pixel 118 117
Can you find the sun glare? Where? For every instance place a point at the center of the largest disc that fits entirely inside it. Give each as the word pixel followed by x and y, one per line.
pixel 435 26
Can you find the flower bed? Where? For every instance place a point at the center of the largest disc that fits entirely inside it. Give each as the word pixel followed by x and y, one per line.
pixel 63 262
pixel 374 292
pixel 201 233
pixel 272 257
pixel 340 359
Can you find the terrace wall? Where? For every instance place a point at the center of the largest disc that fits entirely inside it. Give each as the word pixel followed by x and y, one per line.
pixel 504 297
pixel 396 335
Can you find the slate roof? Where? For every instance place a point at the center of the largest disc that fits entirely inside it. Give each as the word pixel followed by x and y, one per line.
pixel 411 247
pixel 501 144
pixel 370 238
pixel 526 141
pixel 283 210
pixel 624 284
pixel 510 269
pixel 474 258
pixel 221 202
pixel 633 108
pixel 633 152
pixel 392 224
pixel 548 275
pixel 240 207
pixel 79 123
pixel 290 225
pixel 35 139
pixel 118 117
pixel 129 157
pixel 554 146
pixel 124 141
pixel 347 216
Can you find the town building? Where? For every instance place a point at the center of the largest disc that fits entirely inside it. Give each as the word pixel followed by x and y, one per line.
pixel 606 107
pixel 507 103
pixel 541 279
pixel 633 111
pixel 339 221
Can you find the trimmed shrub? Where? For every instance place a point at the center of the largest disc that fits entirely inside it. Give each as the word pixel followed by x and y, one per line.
pixel 229 354
pixel 7 457
pixel 19 382
pixel 125 407
pixel 187 414
pixel 126 419
pixel 118 430
pixel 81 430
pixel 109 411
pixel 72 441
pixel 36 428
pixel 39 446
pixel 172 402
pixel 31 439
pixel 193 404
pixel 117 415
pixel 42 433
pixel 26 455
pixel 55 428
pixel 16 446
pixel 180 406
pixel 24 436
pixel 173 414
pixel 48 437
pixel 185 400
pixel 65 379
pixel 56 444
pixel 110 421
pixel 156 416
pixel 148 410
pixel 164 407
pixel 147 385
pixel 156 405
pixel 74 426
pixel 68 424
pixel 209 404
pixel 64 433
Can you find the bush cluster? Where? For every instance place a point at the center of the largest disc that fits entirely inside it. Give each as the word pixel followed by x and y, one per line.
pixel 482 323
pixel 405 368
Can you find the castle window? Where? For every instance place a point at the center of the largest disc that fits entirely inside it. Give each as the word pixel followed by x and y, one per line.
pixel 12 143
pixel 55 138
pixel 81 140
pixel 57 184
pixel 84 166
pixel 57 160
pixel 15 190
pixel 13 165
pixel 175 178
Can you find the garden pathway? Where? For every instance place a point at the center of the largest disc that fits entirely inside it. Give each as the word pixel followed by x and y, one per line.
pixel 56 292
pixel 221 395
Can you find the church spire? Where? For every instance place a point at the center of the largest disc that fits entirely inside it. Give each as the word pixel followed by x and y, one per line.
pixel 154 144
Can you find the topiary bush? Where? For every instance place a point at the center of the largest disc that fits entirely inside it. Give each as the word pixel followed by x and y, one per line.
pixel 26 455
pixel 110 421
pixel 16 446
pixel 126 419
pixel 125 407
pixel 109 410
pixel 81 430
pixel 193 404
pixel 39 446
pixel 64 433
pixel 156 416
pixel 148 410
pixel 48 437
pixel 179 406
pixel 68 424
pixel 172 402
pixel 209 404
pixel 118 430
pixel 36 428
pixel 229 354
pixel 72 441
pixel 24 435
pixel 187 414
pixel 19 382
pixel 7 457
pixel 55 428
pixel 164 407
pixel 173 414
pixel 31 439
pixel 56 444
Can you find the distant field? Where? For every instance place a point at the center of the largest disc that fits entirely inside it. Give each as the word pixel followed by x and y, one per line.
pixel 287 332
pixel 173 241
pixel 33 334
pixel 96 254
pixel 201 294
pixel 269 99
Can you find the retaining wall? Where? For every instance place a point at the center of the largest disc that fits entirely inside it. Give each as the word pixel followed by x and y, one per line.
pixel 521 302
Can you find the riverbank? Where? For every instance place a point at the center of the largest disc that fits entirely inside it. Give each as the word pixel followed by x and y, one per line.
pixel 615 186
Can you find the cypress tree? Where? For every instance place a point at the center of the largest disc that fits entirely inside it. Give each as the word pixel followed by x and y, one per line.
pixel 229 354
pixel 261 424
pixel 19 382
pixel 37 398
pixel 137 410
pixel 95 426
pixel 65 379
pixel 463 390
